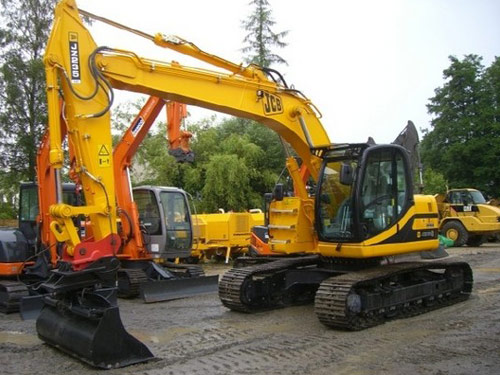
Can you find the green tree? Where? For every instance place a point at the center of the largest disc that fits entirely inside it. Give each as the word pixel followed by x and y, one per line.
pixel 434 182
pixel 23 112
pixel 251 153
pixel 260 38
pixel 464 142
pixel 227 184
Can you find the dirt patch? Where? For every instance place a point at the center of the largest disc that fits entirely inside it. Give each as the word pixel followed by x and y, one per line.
pixel 199 336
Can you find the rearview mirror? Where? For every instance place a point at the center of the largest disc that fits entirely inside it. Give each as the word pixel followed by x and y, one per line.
pixel 345 174
pixel 279 192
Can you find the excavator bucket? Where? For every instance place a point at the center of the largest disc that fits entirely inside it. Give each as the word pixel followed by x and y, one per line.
pixel 166 290
pixel 30 307
pixel 100 341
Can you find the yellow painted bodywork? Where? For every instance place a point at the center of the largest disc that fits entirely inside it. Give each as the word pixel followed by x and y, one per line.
pixel 482 222
pixel 294 231
pixel 221 232
pixel 291 226
pixel 90 137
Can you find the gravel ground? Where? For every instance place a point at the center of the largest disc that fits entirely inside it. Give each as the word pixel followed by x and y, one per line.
pixel 199 336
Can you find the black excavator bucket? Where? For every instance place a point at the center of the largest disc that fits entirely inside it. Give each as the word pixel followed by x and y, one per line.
pixel 166 290
pixel 82 319
pixel 95 336
pixel 31 306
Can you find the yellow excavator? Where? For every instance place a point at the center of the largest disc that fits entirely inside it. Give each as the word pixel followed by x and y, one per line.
pixel 333 242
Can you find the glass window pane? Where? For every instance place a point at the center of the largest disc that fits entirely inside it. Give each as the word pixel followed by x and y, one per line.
pixel 335 209
pixel 29 204
pixel 402 186
pixel 177 220
pixel 378 196
pixel 477 197
pixel 149 214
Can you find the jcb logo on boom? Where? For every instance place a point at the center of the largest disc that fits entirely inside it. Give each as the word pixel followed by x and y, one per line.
pixel 74 58
pixel 272 103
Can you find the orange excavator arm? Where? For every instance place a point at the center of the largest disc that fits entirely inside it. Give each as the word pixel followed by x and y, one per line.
pixel 124 151
pixel 178 139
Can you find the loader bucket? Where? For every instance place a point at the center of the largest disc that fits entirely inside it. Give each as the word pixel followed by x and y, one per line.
pixel 166 290
pixel 101 342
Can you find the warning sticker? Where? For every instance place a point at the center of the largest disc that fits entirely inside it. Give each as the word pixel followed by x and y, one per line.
pixel 104 156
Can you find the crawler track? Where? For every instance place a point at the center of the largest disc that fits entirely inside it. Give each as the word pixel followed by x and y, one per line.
pixel 260 286
pixel 347 300
pixel 129 281
pixel 184 270
pixel 11 293
pixel 359 300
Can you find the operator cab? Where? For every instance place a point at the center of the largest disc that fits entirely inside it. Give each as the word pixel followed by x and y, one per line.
pixel 164 214
pixel 465 197
pixel 362 191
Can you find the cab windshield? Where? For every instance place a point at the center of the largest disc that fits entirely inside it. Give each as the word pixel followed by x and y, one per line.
pixel 477 197
pixel 362 192
pixel 177 220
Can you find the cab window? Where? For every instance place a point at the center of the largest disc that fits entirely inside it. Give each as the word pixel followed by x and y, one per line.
pixel 335 204
pixel 149 214
pixel 384 191
pixel 178 224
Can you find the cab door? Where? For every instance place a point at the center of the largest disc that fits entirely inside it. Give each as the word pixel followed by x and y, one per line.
pixel 384 191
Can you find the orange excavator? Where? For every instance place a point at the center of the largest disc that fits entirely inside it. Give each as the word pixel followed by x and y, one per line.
pixel 29 252
pixel 155 221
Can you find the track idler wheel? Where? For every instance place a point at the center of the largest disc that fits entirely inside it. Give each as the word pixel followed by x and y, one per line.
pixel 93 335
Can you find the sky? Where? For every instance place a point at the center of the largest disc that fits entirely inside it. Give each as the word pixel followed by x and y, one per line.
pixel 369 66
